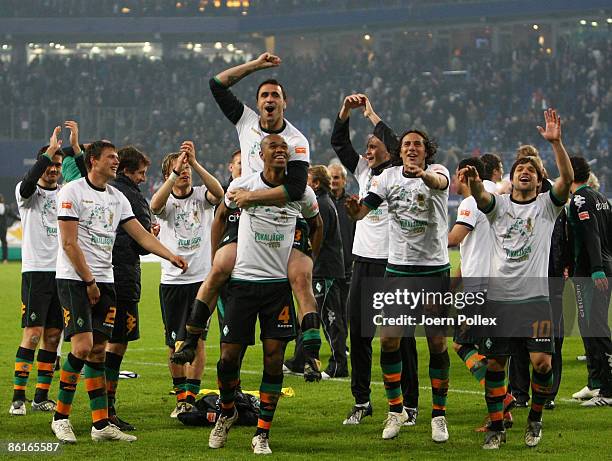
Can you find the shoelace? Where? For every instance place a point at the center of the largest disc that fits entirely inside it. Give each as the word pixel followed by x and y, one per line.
pixel 439 423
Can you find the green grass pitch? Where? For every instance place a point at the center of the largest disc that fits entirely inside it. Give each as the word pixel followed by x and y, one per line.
pixel 307 426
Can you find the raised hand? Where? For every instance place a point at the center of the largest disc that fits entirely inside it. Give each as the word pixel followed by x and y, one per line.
pixel 189 148
pixel 468 174
pixel 353 101
pixel 267 60
pixel 180 163
pixel 74 134
pixel 55 144
pixel 552 132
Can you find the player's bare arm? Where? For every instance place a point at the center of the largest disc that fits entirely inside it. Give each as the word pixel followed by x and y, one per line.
pixel 431 179
pixel 151 244
pixel 214 192
pixel 552 133
pixel 218 228
pixel 482 197
pixel 457 234
pixel 69 230
pixel 316 234
pixel 369 113
pixel 233 75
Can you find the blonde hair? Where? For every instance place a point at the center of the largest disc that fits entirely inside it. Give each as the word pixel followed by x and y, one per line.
pixel 167 163
pixel 593 182
pixel 527 150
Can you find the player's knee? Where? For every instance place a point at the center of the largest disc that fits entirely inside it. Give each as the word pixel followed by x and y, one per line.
pixel 496 364
pixel 542 366
pixel 51 338
pixel 229 360
pixel 273 362
pixel 389 344
pixel 33 335
pixel 97 352
pixel 437 344
pixel 81 350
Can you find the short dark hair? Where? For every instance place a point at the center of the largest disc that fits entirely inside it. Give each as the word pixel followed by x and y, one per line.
pixel 475 162
pixel 94 150
pixel 491 163
pixel 581 167
pixel 271 81
pixel 531 160
pixel 44 149
pixel 431 146
pixel 130 159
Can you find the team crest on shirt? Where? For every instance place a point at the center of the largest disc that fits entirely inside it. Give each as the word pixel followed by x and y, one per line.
pixel 579 200
pixel 521 232
pixel 187 224
pixel 100 216
pixel 49 216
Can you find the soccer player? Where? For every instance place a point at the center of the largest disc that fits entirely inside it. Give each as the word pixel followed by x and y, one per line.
pixel 90 211
pixel 328 271
pixel 41 315
pixel 252 127
pixel 131 172
pixel 417 192
pixel 471 234
pixel 590 219
pixel 522 224
pixel 371 250
pixel 185 214
pixel 259 287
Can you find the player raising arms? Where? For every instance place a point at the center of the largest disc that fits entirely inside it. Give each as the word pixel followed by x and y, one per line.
pixel 185 214
pixel 41 315
pixel 252 127
pixel 521 227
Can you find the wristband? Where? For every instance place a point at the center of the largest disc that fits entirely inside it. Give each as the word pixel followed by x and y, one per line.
pixel 90 283
pixel 174 175
pixel 598 275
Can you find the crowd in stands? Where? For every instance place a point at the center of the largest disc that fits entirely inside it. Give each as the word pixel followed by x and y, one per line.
pixel 493 106
pixel 109 8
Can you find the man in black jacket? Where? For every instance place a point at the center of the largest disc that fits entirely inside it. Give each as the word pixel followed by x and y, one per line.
pixel 339 195
pixel 131 172
pixel 327 274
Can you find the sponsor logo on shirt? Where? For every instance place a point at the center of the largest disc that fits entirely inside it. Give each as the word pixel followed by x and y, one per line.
pixel 300 150
pixel 67 205
pixel 583 215
pixel 465 213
